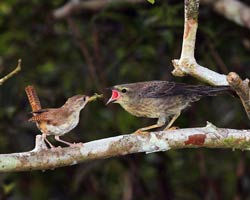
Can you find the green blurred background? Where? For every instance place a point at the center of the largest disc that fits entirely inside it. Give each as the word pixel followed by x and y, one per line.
pixel 89 51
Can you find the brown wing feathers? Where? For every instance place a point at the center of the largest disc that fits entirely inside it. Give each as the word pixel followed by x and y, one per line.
pixel 159 89
pixel 42 117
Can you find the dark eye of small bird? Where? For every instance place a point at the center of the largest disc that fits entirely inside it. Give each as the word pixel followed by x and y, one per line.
pixel 124 90
pixel 84 98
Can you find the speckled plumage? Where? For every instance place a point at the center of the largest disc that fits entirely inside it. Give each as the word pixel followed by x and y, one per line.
pixel 161 99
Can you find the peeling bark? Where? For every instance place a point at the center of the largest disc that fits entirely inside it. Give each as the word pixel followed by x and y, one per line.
pixel 197 139
pixel 42 158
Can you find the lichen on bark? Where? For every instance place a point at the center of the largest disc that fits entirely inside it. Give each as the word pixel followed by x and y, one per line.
pixel 192 9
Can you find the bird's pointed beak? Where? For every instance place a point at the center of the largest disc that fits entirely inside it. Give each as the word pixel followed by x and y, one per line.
pixel 115 96
pixel 86 98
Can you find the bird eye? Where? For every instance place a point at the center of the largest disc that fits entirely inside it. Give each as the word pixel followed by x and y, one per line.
pixel 124 90
pixel 84 98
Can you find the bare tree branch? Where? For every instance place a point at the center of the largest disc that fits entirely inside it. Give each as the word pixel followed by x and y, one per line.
pixel 15 71
pixel 42 158
pixel 187 64
pixel 233 10
pixel 242 89
pixel 73 6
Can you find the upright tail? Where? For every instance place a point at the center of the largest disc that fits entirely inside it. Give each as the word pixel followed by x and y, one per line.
pixel 33 98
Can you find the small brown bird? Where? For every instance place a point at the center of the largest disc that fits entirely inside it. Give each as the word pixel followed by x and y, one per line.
pixel 59 121
pixel 160 99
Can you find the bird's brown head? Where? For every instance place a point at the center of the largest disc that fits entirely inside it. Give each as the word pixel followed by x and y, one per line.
pixel 124 93
pixel 77 101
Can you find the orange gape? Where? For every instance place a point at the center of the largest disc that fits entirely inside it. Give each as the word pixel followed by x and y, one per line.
pixel 33 98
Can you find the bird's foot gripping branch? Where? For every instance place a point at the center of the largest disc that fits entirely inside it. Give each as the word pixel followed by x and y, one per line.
pixel 160 99
pixel 57 121
pixel 42 158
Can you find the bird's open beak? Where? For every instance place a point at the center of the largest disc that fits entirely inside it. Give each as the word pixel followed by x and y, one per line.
pixel 115 96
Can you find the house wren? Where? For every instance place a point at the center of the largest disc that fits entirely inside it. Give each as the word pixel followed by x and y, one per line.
pixel 58 121
pixel 160 99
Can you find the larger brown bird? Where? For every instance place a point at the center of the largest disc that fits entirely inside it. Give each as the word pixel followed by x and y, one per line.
pixel 160 99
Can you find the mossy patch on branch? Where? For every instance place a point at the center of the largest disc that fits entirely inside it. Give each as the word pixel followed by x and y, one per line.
pixel 237 143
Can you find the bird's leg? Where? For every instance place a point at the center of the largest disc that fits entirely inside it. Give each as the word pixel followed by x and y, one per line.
pixel 68 143
pixel 161 121
pixel 172 121
pixel 62 141
pixel 46 140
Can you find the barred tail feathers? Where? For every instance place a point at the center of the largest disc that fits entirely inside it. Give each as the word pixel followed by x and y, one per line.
pixel 33 98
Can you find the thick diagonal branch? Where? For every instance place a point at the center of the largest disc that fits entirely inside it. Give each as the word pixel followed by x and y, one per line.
pixel 42 158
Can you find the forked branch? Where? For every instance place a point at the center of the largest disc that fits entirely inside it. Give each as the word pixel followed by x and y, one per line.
pixel 187 64
pixel 41 158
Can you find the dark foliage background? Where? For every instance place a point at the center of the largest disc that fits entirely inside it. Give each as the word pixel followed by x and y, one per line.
pixel 126 43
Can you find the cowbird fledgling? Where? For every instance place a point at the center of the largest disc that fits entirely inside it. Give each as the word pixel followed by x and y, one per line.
pixel 160 99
